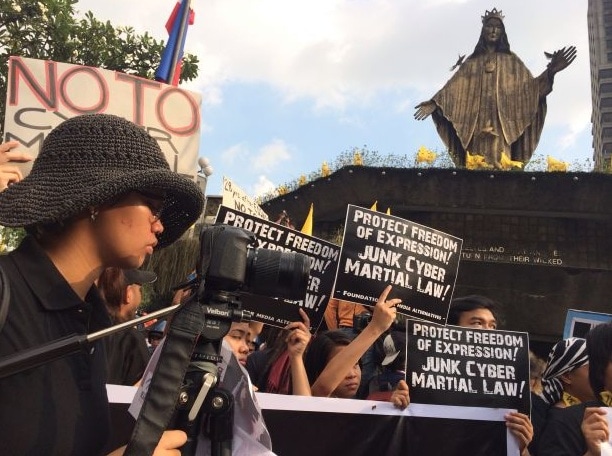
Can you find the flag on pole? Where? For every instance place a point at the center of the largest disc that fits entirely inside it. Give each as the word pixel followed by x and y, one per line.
pixel 169 70
pixel 307 227
pixel 374 206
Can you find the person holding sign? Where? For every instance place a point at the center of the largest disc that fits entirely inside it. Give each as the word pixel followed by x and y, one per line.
pixel 582 428
pixel 478 312
pixel 279 368
pixel 566 378
pixel 332 359
pixel 565 382
pixel 100 194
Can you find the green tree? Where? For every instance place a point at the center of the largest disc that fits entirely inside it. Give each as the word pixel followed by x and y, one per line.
pixel 49 29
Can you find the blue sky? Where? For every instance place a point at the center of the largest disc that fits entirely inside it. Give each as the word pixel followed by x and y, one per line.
pixel 288 84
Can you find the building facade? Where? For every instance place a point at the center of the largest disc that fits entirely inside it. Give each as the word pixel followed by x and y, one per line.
pixel 600 53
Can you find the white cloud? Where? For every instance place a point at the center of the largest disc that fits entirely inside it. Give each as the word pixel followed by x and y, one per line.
pixel 339 55
pixel 234 154
pixel 263 186
pixel 271 156
pixel 574 129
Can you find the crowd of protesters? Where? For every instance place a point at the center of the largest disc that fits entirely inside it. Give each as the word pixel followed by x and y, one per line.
pixel 99 199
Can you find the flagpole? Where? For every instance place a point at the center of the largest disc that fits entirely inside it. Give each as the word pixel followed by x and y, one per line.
pixel 176 55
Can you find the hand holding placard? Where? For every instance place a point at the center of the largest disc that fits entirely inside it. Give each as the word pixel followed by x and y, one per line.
pixel 595 428
pixel 521 427
pixel 401 395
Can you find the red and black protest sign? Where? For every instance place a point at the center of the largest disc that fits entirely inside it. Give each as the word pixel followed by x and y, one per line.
pixel 41 94
pixel 451 365
pixel 323 263
pixel 419 262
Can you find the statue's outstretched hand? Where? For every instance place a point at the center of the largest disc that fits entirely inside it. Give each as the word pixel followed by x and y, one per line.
pixel 561 59
pixel 424 110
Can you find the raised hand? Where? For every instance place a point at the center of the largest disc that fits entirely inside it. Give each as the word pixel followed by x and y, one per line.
pixel 9 173
pixel 385 311
pixel 561 59
pixel 424 110
pixel 8 155
pixel 299 337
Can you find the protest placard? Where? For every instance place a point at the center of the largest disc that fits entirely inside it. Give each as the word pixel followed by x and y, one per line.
pixel 323 261
pixel 380 249
pixel 42 94
pixel 236 198
pixel 451 365
pixel 579 322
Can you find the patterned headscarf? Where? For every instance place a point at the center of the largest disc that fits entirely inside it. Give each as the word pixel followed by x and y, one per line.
pixel 565 356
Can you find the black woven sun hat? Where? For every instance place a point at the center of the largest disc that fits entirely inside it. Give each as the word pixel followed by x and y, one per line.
pixel 91 159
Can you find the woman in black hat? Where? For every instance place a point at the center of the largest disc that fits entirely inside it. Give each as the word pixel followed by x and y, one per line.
pixel 100 194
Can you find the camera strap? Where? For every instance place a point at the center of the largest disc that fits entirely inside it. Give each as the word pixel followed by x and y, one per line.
pixel 162 395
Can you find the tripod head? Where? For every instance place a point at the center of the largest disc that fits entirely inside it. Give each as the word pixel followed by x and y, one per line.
pixel 202 406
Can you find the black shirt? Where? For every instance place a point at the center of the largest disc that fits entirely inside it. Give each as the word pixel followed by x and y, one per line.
pixel 258 367
pixel 128 356
pixel 562 435
pixel 539 412
pixel 61 407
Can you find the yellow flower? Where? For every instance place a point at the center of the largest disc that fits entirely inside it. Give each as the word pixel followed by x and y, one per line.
pixel 424 155
pixel 325 169
pixel 507 163
pixel 475 161
pixel 357 160
pixel 556 165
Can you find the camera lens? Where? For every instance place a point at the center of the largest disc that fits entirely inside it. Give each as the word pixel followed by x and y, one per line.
pixel 278 274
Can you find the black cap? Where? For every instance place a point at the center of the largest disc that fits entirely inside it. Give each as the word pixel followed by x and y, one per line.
pixel 138 276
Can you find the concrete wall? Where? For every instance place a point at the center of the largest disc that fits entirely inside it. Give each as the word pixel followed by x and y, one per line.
pixel 539 243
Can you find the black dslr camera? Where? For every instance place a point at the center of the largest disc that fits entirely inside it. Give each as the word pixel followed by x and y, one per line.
pixel 230 261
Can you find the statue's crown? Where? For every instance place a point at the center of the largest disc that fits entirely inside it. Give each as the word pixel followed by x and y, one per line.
pixel 493 13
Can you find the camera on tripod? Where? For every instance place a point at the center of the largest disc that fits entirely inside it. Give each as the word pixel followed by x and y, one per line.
pixel 230 264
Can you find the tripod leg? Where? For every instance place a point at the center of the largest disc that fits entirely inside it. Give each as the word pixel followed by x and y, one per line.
pixel 220 422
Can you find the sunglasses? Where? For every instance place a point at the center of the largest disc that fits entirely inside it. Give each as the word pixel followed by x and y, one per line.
pixel 154 201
